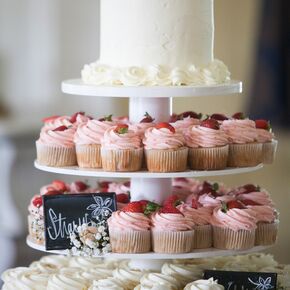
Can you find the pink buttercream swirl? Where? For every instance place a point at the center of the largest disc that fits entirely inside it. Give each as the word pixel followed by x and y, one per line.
pixel 162 139
pixel 171 222
pixel 57 138
pixel 260 197
pixel 200 216
pixel 128 221
pixel 91 132
pixel 114 140
pixel 263 213
pixel 183 125
pixel 207 200
pixel 234 219
pixel 264 135
pixel 57 122
pixel 198 136
pixel 240 131
pixel 140 128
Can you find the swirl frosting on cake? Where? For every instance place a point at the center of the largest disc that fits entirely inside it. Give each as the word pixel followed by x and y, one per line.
pixel 207 200
pixel 66 282
pixel 162 139
pixel 264 135
pixel 185 123
pixel 240 131
pixel 113 140
pixel 171 222
pixel 91 132
pixel 57 122
pixel 263 213
pixel 129 221
pixel 57 138
pixel 127 276
pixel 260 197
pixel 85 262
pixel 200 216
pixel 234 219
pixel 107 284
pixel 209 284
pixel 198 136
pixel 140 128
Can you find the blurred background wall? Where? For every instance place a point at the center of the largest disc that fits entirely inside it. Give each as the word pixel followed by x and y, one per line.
pixel 43 42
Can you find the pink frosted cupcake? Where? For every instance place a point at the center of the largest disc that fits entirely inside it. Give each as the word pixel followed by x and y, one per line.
pixel 143 125
pixel 121 149
pixel 88 142
pixel 208 146
pixel 244 149
pixel 55 147
pixel 266 137
pixel 165 150
pixel 129 230
pixel 172 232
pixel 185 120
pixel 201 216
pixel 234 227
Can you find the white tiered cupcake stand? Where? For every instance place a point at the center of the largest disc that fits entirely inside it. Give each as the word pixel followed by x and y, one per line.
pixel 146 185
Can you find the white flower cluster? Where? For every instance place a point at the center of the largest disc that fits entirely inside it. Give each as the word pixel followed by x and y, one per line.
pixel 90 240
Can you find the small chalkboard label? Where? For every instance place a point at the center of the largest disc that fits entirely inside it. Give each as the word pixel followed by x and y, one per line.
pixel 232 280
pixel 63 212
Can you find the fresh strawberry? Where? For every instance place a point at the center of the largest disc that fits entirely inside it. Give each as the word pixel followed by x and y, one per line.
pixel 208 188
pixel 134 206
pixel 147 119
pixel 104 185
pixel 210 123
pixel 127 183
pixel 173 118
pixel 190 114
pixel 48 119
pixel 122 197
pixel 106 118
pixel 151 207
pixel 59 185
pixel 54 192
pixel 60 128
pixel 73 118
pixel 195 204
pixel 80 186
pixel 219 117
pixel 165 125
pixel 263 124
pixel 249 202
pixel 121 128
pixel 169 209
pixel 248 188
pixel 239 116
pixel 235 204
pixel 37 201
pixel 172 200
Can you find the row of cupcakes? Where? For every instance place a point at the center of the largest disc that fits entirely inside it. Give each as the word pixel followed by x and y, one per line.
pixel 202 144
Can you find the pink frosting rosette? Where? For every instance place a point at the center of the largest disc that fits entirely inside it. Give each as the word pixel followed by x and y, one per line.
pixel 57 138
pixel 171 222
pixel 114 140
pixel 140 128
pixel 162 139
pixel 264 136
pixel 234 219
pixel 91 132
pixel 128 221
pixel 263 213
pixel 57 122
pixel 207 200
pixel 200 216
pixel 199 136
pixel 185 123
pixel 240 131
pixel 260 197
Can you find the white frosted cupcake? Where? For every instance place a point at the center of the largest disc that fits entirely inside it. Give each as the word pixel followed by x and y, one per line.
pixel 209 284
pixel 66 282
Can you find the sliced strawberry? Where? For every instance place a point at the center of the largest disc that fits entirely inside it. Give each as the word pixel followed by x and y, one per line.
pixel 239 116
pixel 37 201
pixel 195 204
pixel 54 192
pixel 263 124
pixel 147 119
pixel 80 186
pixel 172 200
pixel 219 117
pixel 49 119
pixel 59 185
pixel 106 118
pixel 190 114
pixel 169 209
pixel 123 198
pixel 249 202
pixel 134 206
pixel 235 204
pixel 73 118
pixel 165 125
pixel 121 128
pixel 173 118
pixel 60 128
pixel 210 123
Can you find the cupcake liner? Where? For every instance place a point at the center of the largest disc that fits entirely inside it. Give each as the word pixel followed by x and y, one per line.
pixel 89 156
pixel 244 155
pixel 227 239
pixel 122 160
pixel 208 158
pixel 202 237
pixel 55 156
pixel 36 230
pixel 269 151
pixel 167 160
pixel 266 234
pixel 130 241
pixel 172 242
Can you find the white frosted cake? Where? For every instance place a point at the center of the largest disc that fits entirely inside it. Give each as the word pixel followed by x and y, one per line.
pixel 156 42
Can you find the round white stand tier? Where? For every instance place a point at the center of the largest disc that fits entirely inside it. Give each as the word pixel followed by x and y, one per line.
pixel 204 253
pixel 77 87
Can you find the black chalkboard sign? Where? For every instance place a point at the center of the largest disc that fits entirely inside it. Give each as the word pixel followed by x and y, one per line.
pixel 63 212
pixel 232 280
